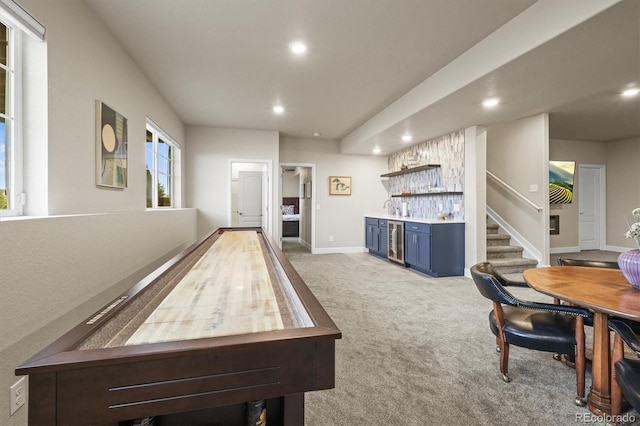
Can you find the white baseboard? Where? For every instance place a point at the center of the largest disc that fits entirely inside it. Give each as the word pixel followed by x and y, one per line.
pixel 556 250
pixel 618 248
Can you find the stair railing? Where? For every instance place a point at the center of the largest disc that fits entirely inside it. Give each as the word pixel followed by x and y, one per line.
pixel 514 192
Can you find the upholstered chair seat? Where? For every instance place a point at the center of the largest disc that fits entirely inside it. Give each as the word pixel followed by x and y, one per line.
pixel 542 331
pixel 540 326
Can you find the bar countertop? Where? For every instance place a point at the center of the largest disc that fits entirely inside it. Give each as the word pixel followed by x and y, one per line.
pixel 412 219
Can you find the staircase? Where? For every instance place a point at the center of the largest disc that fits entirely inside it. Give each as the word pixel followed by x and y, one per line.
pixel 507 259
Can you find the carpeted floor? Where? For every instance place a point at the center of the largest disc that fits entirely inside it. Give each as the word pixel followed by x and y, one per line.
pixel 418 351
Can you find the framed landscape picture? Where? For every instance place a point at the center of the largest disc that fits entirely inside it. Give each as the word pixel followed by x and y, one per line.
pixel 339 185
pixel 111 147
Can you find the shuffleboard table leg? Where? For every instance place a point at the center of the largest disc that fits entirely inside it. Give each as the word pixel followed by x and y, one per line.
pixel 42 399
pixel 293 409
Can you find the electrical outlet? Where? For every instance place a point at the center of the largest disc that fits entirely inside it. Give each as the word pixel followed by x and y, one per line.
pixel 18 394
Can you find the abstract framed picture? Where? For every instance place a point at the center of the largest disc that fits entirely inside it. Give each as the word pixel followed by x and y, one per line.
pixel 339 185
pixel 111 147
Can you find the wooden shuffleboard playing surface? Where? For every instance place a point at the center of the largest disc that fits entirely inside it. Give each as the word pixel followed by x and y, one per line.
pixel 213 327
pixel 228 291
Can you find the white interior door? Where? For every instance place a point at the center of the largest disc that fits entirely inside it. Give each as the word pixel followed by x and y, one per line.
pixel 590 206
pixel 250 199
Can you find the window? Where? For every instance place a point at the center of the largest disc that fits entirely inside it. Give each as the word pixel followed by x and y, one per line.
pixel 162 159
pixel 14 22
pixel 10 143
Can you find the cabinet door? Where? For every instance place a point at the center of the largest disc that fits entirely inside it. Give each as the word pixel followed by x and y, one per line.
pixel 375 240
pixel 383 247
pixel 423 243
pixel 411 247
pixel 369 236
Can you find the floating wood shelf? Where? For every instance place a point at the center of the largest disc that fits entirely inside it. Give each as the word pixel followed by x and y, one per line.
pixel 427 194
pixel 412 170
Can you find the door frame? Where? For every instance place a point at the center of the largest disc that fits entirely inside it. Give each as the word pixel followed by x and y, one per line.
pixel 602 214
pixel 267 195
pixel 312 166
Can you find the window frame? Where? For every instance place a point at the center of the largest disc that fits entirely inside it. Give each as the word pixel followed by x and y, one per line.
pixel 160 135
pixel 13 120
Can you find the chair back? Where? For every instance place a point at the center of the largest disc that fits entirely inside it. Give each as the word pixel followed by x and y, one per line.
pixel 486 279
pixel 589 263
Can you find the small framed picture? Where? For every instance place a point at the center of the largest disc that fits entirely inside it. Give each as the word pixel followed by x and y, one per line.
pixel 111 147
pixel 339 185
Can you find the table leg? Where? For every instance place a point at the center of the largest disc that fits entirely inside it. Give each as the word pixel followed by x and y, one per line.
pixel 600 395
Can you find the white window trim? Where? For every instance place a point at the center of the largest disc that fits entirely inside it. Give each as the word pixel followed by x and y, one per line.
pixel 175 166
pixel 16 197
pixel 22 19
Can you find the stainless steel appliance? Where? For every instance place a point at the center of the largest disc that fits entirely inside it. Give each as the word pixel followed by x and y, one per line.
pixel 396 241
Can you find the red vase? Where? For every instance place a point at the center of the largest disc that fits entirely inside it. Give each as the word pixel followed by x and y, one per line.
pixel 629 263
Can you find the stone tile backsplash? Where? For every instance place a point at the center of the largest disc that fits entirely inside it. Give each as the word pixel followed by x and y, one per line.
pixel 448 152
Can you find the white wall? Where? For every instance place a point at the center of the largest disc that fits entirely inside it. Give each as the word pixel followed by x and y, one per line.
pixel 290 184
pixel 86 63
pixel 306 208
pixel 475 196
pixel 517 153
pixel 96 243
pixel 210 150
pixel 582 152
pixel 339 216
pixel 622 161
pixel 623 190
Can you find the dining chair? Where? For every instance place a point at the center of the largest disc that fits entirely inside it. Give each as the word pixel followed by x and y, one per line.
pixel 626 372
pixel 562 261
pixel 508 282
pixel 539 326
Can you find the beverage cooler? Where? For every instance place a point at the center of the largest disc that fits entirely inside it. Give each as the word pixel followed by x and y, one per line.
pixel 396 241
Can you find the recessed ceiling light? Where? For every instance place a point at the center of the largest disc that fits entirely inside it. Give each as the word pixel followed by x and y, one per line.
pixel 630 92
pixel 491 102
pixel 317 134
pixel 278 109
pixel 407 138
pixel 298 47
pixel 377 150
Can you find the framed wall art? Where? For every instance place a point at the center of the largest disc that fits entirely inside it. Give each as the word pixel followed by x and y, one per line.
pixel 111 147
pixel 339 185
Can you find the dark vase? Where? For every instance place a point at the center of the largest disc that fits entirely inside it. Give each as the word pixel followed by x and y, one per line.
pixel 629 262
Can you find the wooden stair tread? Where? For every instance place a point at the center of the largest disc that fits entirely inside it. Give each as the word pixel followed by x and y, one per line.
pixel 504 249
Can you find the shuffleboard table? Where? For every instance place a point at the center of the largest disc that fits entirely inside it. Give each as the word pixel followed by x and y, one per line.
pixel 225 322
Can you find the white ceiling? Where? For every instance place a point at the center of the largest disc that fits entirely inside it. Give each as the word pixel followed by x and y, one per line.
pixel 378 68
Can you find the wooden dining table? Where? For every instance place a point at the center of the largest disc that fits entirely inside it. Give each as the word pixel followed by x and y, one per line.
pixel 606 292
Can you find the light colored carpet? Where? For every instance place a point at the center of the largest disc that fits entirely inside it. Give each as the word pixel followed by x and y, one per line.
pixel 418 351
